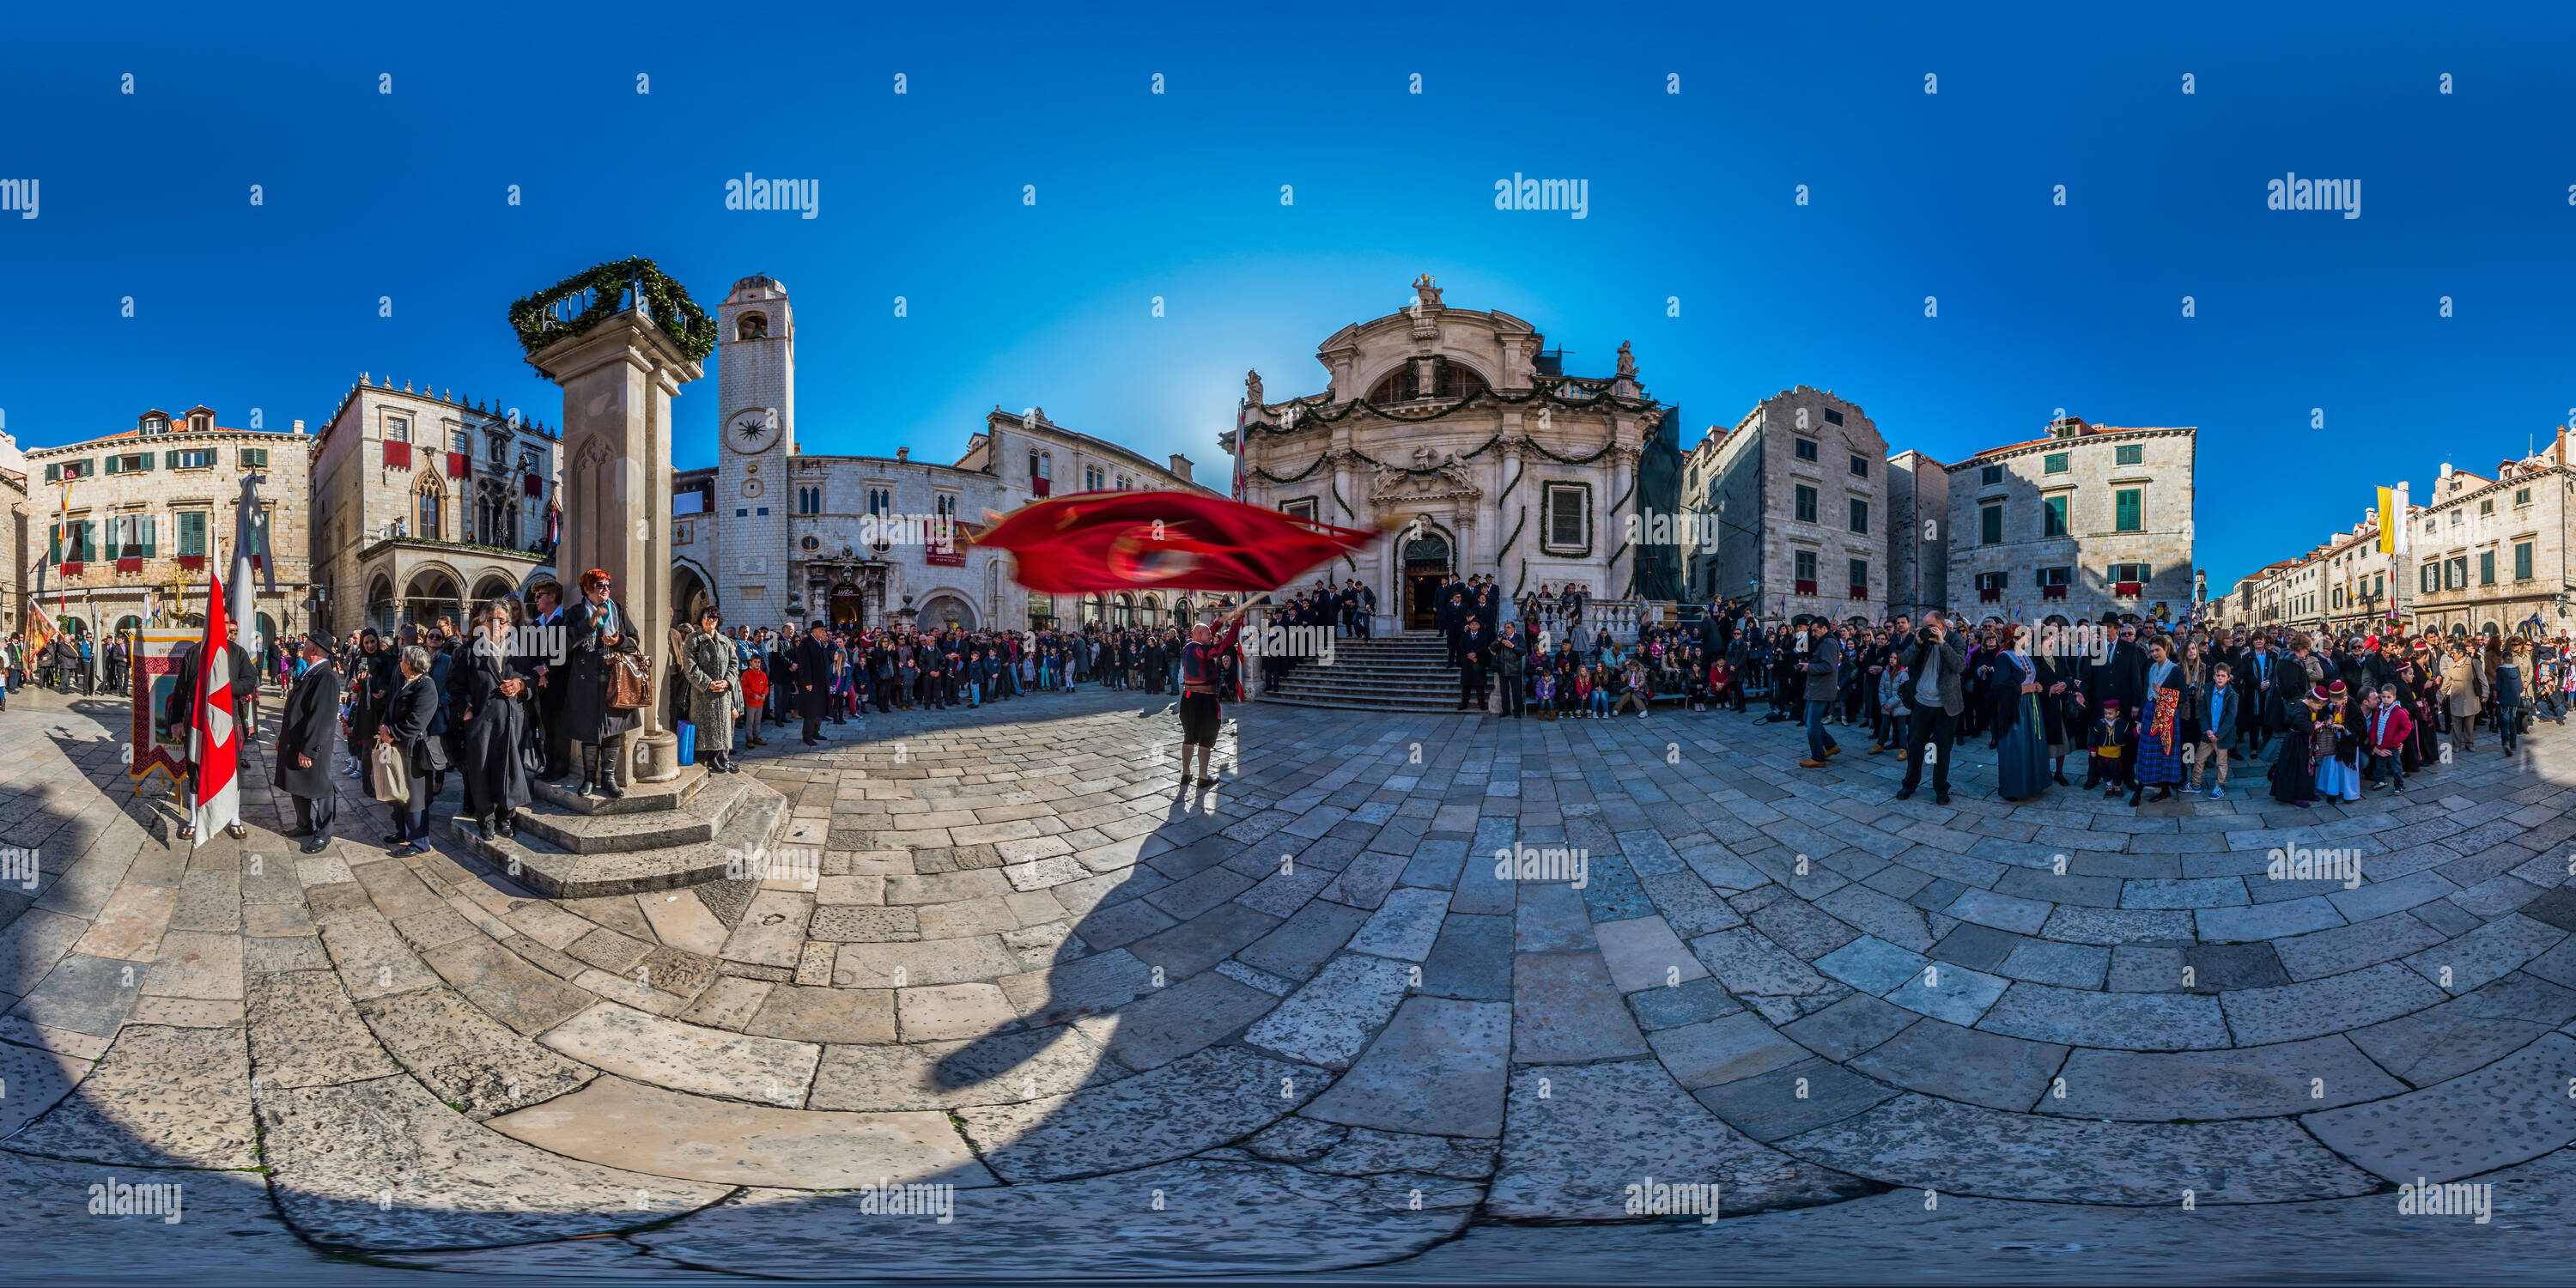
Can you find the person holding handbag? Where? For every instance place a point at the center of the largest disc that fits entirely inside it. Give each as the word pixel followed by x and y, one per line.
pixel 597 634
pixel 406 732
pixel 494 698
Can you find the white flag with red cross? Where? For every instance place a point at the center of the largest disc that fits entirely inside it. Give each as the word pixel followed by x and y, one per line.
pixel 214 744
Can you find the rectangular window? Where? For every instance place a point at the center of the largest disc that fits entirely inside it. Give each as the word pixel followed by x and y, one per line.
pixel 2487 506
pixel 1833 417
pixel 2426 578
pixel 2059 576
pixel 397 429
pixel 1806 449
pixel 1990 476
pixel 1990 525
pixel 194 458
pixel 2486 567
pixel 1805 563
pixel 762 510
pixel 2053 463
pixel 1806 504
pixel 2129 454
pixel 254 458
pixel 1859 516
pixel 2522 496
pixel 1994 581
pixel 2522 561
pixel 2458 571
pixel 192 532
pixel 2052 515
pixel 2129 509
pixel 1860 466
pixel 1567 517
pixel 1860 578
pixel 1303 508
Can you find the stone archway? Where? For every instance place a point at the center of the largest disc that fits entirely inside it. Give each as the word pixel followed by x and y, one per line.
pixel 946 607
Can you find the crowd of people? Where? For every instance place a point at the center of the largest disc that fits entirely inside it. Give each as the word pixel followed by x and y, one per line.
pixel 2151 706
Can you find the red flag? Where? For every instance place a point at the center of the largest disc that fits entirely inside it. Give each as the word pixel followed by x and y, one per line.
pixel 1108 540
pixel 214 745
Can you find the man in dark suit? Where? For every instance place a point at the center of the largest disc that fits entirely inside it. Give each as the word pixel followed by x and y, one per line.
pixel 813 681
pixel 304 740
pixel 2120 672
pixel 1475 653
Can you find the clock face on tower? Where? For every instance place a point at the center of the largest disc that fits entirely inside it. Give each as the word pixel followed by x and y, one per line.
pixel 751 432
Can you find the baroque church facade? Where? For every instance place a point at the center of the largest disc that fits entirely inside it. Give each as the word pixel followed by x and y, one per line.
pixel 773 535
pixel 1460 433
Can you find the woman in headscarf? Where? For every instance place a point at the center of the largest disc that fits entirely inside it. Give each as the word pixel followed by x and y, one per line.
pixel 2021 759
pixel 2160 731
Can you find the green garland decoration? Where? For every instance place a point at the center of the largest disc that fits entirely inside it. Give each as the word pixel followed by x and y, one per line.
pixel 1506 493
pixel 1592 393
pixel 1335 489
pixel 691 329
pixel 1267 476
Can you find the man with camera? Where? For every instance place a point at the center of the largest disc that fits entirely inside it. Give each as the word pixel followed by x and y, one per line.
pixel 1937 661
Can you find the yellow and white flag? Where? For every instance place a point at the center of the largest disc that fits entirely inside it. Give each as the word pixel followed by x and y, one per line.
pixel 2393 539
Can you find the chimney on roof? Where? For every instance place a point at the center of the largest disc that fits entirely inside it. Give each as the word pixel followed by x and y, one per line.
pixel 299 427
pixel 1181 467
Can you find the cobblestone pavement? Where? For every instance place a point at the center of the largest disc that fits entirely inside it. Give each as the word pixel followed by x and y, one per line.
pixel 1301 1023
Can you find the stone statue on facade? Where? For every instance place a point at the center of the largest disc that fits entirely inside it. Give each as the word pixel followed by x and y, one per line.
pixel 1627 361
pixel 1252 387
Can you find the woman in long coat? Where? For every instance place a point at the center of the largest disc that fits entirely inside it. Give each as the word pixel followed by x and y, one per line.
pixel 408 716
pixel 713 670
pixel 2061 714
pixel 493 696
pixel 2464 690
pixel 595 627
pixel 2160 725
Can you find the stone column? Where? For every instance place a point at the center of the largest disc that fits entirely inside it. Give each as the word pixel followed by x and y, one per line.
pixel 618 380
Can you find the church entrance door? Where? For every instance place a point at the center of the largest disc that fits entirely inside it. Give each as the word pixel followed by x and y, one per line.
pixel 1426 569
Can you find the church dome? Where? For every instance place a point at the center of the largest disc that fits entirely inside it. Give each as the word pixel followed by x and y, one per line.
pixel 757 286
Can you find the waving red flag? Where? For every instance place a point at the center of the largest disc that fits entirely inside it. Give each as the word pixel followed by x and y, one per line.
pixel 214 745
pixel 1108 540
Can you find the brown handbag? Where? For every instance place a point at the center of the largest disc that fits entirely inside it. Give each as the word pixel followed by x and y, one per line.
pixel 630 680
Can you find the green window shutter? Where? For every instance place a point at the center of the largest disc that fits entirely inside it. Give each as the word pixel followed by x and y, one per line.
pixel 150 523
pixel 144 461
pixel 54 473
pixel 88 540
pixel 111 465
pixel 53 541
pixel 170 460
pixel 2130 509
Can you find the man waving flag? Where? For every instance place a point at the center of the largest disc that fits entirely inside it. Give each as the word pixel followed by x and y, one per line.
pixel 214 743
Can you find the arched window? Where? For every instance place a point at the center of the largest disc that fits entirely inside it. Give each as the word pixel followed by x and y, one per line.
pixel 752 326
pixel 1126 611
pixel 1449 380
pixel 1153 612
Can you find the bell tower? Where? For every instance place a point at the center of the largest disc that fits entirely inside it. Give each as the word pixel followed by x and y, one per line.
pixel 756 437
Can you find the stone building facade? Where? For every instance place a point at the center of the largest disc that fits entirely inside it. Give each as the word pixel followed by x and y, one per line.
pixel 773 536
pixel 424 504
pixel 1918 534
pixel 1797 493
pixel 14 520
pixel 126 522
pixel 2490 549
pixel 2089 521
pixel 1459 430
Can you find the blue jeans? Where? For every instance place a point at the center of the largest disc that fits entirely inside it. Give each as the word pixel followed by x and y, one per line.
pixel 1818 741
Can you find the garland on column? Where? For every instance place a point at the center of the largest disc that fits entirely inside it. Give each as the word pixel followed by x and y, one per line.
pixel 691 329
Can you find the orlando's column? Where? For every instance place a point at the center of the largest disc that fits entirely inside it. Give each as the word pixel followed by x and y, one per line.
pixel 621 339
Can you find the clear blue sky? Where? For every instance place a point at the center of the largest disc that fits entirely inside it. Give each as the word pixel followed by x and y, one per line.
pixel 1138 195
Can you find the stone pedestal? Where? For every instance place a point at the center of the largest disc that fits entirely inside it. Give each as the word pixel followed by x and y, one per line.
pixel 618 380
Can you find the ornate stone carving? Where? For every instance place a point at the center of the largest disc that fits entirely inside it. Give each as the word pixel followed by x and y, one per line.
pixel 1442 477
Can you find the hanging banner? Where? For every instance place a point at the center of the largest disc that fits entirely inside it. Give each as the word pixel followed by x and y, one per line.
pixel 157 744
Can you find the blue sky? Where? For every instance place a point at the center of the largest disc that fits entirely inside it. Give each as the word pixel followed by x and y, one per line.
pixel 370 195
